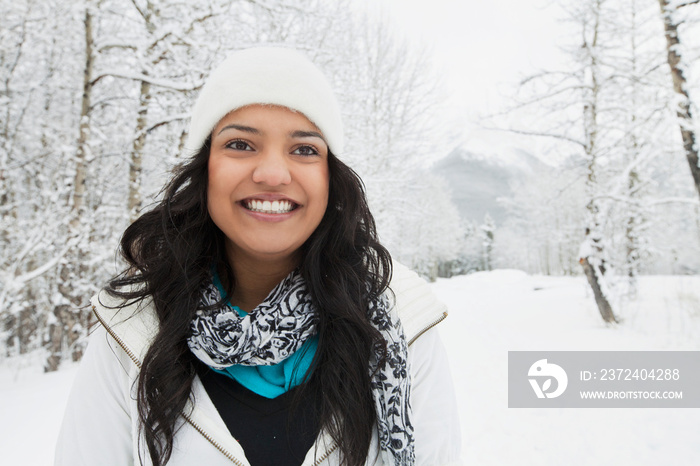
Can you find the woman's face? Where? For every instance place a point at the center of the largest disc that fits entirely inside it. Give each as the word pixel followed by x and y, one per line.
pixel 268 181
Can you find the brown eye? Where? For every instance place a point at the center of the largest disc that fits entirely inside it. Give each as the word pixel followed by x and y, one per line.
pixel 239 145
pixel 305 151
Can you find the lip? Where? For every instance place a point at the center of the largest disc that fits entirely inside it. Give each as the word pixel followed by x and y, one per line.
pixel 271 218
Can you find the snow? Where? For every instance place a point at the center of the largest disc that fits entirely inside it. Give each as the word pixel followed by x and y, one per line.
pixel 491 313
pixel 505 310
pixel 32 405
pixel 586 250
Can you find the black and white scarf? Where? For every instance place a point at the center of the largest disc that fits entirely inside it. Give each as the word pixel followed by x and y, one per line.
pixel 281 324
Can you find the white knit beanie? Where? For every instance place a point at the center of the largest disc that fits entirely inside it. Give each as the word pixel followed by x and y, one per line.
pixel 267 75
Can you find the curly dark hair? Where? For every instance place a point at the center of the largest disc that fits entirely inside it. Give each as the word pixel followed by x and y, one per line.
pixel 170 250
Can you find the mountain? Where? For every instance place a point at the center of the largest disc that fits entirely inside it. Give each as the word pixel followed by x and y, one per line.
pixel 478 181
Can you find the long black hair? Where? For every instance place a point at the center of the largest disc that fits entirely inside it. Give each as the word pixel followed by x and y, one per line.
pixel 170 251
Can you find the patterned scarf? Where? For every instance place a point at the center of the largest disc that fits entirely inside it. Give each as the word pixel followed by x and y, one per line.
pixel 281 324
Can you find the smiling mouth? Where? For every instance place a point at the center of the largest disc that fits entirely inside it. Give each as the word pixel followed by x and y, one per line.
pixel 269 207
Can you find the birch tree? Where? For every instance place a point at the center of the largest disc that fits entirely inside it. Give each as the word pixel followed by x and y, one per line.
pixel 580 108
pixel 38 142
pixel 585 86
pixel 678 67
pixel 68 322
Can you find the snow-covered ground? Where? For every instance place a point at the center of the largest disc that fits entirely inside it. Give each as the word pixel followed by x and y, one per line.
pixel 490 314
pixel 505 310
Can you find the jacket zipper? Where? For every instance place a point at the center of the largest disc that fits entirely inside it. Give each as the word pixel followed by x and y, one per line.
pixel 328 452
pixel 196 426
pixel 428 327
pixel 133 357
pixel 212 441
pixel 116 338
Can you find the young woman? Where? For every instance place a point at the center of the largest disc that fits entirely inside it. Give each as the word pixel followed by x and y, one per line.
pixel 258 321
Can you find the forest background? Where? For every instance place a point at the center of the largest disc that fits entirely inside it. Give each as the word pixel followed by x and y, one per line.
pixel 94 102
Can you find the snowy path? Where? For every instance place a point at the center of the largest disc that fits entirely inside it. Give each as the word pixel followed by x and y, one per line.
pixel 490 314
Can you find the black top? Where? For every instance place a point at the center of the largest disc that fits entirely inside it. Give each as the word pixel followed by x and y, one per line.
pixel 270 431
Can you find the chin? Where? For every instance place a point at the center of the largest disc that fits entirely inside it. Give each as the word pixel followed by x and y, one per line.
pixel 267 253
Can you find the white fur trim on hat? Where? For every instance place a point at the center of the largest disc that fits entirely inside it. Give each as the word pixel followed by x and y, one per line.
pixel 267 75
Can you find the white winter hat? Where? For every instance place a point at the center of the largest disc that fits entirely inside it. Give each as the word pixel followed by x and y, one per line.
pixel 267 75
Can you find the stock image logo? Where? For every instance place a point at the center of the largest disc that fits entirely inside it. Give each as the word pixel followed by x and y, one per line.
pixel 540 376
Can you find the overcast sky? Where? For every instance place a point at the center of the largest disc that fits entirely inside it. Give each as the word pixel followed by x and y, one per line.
pixel 482 48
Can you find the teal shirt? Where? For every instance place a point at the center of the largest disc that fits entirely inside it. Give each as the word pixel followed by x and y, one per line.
pixel 271 381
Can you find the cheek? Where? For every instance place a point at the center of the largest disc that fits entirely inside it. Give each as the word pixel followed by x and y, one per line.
pixel 211 188
pixel 214 169
pixel 217 189
pixel 323 190
pixel 222 174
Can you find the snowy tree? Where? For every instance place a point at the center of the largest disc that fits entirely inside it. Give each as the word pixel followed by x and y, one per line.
pixel 468 255
pixel 40 131
pixel 643 124
pixel 544 227
pixel 432 233
pixel 487 230
pixel 678 67
pixel 592 88
pixel 577 99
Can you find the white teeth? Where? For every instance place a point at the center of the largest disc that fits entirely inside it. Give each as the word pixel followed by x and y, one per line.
pixel 269 207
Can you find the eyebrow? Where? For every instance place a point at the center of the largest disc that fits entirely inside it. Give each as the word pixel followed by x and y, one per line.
pixel 247 129
pixel 293 134
pixel 307 134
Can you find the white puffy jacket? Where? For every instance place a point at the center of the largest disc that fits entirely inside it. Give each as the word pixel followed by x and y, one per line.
pixel 100 426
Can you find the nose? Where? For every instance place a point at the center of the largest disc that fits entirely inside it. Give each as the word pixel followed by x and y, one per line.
pixel 272 168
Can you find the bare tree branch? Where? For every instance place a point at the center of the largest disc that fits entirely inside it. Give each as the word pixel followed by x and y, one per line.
pixel 140 11
pixel 178 117
pixel 537 134
pixel 154 81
